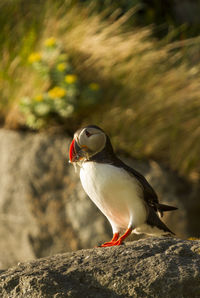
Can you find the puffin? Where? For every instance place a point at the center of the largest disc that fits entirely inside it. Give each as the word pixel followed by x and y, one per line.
pixel 121 193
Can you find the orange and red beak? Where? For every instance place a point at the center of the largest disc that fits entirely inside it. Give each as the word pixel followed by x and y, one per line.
pixel 72 152
pixel 75 152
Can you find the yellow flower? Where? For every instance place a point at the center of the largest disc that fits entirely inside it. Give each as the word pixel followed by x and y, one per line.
pixel 57 92
pixel 39 97
pixel 34 57
pixel 94 86
pixel 61 66
pixel 50 42
pixel 70 79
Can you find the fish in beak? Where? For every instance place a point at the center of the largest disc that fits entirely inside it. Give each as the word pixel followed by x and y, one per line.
pixel 76 153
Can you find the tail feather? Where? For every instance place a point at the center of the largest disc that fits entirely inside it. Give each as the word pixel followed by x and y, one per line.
pixel 154 220
pixel 163 207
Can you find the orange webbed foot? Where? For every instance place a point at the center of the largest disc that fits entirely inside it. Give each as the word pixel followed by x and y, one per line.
pixel 116 240
pixel 112 243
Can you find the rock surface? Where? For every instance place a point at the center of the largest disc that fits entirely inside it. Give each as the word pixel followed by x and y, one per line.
pixel 155 267
pixel 43 209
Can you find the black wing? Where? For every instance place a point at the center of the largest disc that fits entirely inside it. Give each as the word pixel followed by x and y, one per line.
pixel 150 195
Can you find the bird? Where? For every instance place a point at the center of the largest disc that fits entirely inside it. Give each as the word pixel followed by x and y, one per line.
pixel 121 193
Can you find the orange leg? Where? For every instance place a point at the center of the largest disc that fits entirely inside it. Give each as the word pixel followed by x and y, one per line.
pixel 116 240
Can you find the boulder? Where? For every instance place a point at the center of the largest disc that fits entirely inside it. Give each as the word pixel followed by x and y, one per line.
pixel 43 209
pixel 156 267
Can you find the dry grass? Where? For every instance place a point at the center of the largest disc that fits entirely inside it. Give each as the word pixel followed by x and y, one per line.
pixel 155 109
pixel 151 100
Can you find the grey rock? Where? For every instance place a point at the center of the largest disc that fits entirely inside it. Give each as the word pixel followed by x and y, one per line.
pixel 162 267
pixel 43 209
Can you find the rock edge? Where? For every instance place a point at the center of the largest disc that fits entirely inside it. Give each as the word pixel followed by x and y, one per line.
pixel 153 267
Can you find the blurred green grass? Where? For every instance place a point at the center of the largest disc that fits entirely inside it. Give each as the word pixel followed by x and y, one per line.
pixel 151 89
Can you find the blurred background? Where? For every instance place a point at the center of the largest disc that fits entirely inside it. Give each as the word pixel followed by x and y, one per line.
pixel 133 68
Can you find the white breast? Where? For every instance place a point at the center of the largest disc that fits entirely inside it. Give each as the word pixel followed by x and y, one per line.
pixel 115 192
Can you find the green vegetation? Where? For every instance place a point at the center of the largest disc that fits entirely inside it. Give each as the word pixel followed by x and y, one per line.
pixel 64 95
pixel 150 89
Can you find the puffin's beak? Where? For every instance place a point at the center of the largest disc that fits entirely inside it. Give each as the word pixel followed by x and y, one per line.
pixel 72 152
pixel 75 152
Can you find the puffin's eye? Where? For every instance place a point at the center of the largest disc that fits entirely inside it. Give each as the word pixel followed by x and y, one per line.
pixel 87 133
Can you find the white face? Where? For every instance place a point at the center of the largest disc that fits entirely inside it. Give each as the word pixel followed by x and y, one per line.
pixel 90 141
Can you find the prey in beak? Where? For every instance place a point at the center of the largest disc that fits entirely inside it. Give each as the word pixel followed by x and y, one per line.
pixel 77 153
